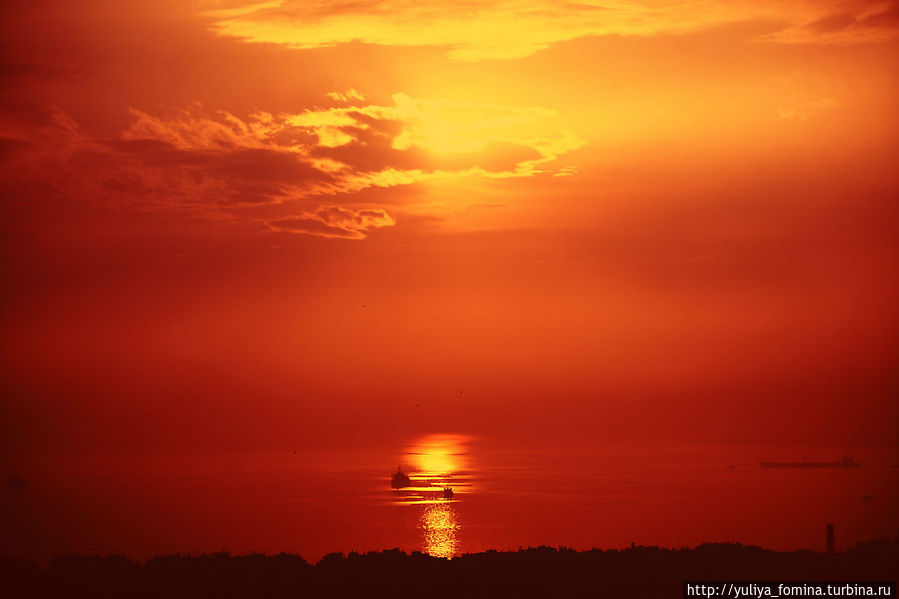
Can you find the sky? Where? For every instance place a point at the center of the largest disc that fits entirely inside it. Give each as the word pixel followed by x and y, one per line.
pixel 282 225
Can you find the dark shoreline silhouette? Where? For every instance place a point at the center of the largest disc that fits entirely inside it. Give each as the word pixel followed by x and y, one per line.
pixel 534 572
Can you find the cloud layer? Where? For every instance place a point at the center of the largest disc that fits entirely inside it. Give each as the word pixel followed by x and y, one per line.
pixel 508 29
pixel 216 164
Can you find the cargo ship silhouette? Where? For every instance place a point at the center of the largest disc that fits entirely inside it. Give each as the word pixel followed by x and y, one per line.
pixel 400 479
pixel 846 462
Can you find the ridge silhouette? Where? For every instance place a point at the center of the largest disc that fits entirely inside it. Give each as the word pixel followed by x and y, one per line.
pixel 542 571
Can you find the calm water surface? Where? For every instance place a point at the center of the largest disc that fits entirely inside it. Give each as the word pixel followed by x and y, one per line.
pixel 502 498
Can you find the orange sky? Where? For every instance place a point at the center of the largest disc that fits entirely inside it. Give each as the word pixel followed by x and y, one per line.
pixel 233 224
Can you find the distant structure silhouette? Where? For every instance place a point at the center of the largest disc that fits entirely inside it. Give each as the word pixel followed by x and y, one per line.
pixel 400 479
pixel 847 461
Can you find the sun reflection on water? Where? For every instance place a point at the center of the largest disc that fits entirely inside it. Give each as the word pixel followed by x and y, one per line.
pixel 439 471
pixel 439 525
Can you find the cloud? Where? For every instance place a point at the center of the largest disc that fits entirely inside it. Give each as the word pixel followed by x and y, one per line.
pixel 509 29
pixel 157 165
pixel 345 96
pixel 499 29
pixel 844 23
pixel 334 221
pixel 348 148
pixel 215 164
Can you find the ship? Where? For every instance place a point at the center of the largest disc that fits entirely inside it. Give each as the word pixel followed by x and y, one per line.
pixel 400 479
pixel 847 461
pixel 448 493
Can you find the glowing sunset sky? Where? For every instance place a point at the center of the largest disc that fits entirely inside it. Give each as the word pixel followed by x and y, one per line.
pixel 294 224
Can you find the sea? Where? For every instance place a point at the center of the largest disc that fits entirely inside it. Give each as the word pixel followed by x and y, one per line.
pixel 340 499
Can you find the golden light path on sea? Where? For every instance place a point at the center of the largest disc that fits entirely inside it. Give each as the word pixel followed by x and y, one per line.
pixel 439 525
pixel 440 471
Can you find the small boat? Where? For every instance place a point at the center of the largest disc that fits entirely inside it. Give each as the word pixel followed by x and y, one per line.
pixel 400 479
pixel 846 462
pixel 448 493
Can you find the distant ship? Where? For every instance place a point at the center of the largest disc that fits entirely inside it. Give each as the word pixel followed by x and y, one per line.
pixel 400 479
pixel 846 462
pixel 448 493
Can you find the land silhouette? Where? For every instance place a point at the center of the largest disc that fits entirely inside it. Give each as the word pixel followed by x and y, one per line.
pixel 542 571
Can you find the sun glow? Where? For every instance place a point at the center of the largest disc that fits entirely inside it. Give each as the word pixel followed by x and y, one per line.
pixel 440 455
